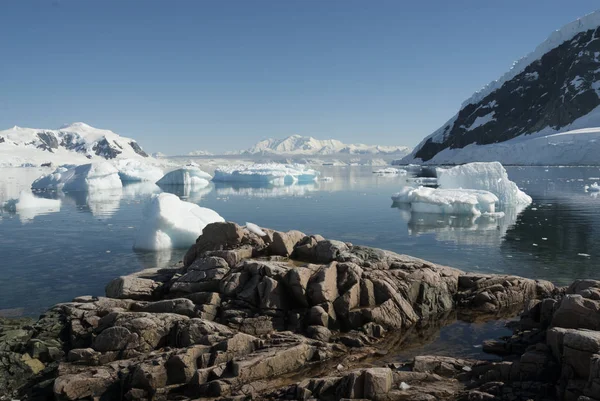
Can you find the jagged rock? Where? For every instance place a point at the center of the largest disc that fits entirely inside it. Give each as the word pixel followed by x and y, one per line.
pixel 377 382
pixel 228 324
pixel 215 236
pixel 320 333
pixel 180 306
pixel 322 286
pixel 127 287
pixel 575 311
pixel 115 338
pixel 283 243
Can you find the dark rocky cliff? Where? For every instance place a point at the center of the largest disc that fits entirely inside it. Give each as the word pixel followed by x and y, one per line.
pixel 553 91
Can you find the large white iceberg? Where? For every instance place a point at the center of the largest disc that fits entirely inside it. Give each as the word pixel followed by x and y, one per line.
pixel 189 175
pixel 87 177
pixel 266 173
pixel 447 201
pixel 170 222
pixel 132 170
pixel 490 177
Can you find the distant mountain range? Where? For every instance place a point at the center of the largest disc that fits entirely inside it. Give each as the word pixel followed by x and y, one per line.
pixel 306 145
pixel 73 143
pixel 533 114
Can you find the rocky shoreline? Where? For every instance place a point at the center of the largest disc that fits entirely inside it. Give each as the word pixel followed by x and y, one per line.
pixel 297 317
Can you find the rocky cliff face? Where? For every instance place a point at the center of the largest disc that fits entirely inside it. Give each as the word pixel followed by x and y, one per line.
pixel 548 91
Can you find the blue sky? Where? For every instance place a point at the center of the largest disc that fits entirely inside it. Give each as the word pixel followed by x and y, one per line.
pixel 220 75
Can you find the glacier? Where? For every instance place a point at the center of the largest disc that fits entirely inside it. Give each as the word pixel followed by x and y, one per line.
pixel 171 223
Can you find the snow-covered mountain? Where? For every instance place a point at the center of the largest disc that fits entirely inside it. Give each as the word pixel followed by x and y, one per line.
pixel 73 143
pixel 306 145
pixel 515 119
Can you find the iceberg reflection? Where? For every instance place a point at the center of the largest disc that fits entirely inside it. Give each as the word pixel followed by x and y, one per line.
pixel 259 190
pixel 487 230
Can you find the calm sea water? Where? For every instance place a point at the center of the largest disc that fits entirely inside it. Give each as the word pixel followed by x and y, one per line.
pixel 53 257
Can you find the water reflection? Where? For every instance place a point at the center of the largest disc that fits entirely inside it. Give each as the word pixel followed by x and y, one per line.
pixel 488 230
pixel 188 193
pixel 101 204
pixel 258 190
pixel 139 189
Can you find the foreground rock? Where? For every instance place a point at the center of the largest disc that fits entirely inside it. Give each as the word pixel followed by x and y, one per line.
pixel 272 317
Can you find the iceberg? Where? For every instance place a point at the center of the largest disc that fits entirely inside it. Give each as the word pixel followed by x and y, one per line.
pixel 592 188
pixel 132 170
pixel 86 177
pixel 448 201
pixel 490 177
pixel 188 175
pixel 172 223
pixel 266 173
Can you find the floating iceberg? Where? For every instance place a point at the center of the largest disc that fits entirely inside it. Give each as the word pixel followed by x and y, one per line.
pixel 447 201
pixel 27 205
pixel 592 188
pixel 490 177
pixel 87 177
pixel 188 175
pixel 172 223
pixel 268 173
pixel 131 170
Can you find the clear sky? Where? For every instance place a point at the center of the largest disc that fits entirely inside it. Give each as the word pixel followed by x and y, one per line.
pixel 220 75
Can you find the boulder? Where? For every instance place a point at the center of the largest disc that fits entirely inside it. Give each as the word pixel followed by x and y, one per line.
pixel 129 287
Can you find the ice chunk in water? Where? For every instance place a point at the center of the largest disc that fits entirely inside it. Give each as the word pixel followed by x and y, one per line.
pixel 188 176
pixel 266 173
pixel 131 170
pixel 447 201
pixel 172 223
pixel 86 177
pixel 490 177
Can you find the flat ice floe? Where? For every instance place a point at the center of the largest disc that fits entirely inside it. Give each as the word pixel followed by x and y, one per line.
pixel 172 223
pixel 266 173
pixel 447 201
pixel 132 170
pixel 490 177
pixel 87 177
pixel 189 175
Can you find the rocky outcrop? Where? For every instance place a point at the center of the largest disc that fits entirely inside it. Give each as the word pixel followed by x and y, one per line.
pixel 271 317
